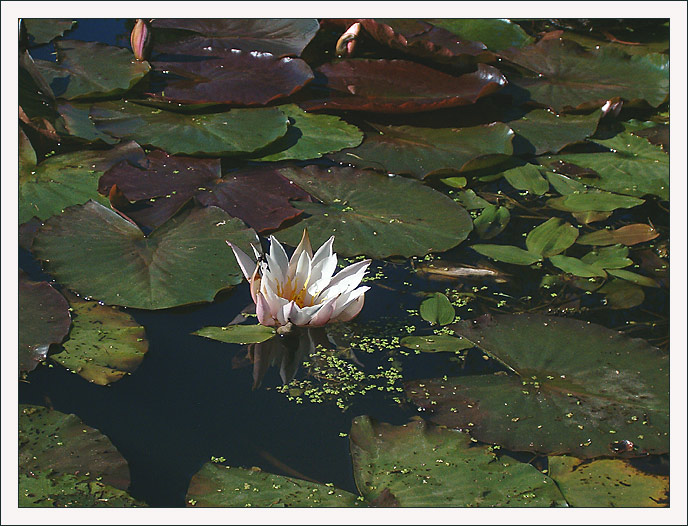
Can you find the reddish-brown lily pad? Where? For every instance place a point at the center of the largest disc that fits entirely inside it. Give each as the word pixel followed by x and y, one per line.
pixel 239 77
pixel 280 36
pixel 43 319
pixel 399 86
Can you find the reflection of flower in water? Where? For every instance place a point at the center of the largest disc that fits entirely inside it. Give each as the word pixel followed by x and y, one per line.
pixel 302 290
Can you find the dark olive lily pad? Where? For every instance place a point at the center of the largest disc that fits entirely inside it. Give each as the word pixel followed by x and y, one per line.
pixel 244 78
pixel 235 132
pixel 242 334
pixel 421 465
pixel 47 188
pixel 621 294
pixel 184 261
pixel 527 177
pixel 104 345
pixel 43 320
pixel 78 124
pixel 626 235
pixel 593 201
pixel 50 441
pixel 574 388
pixel 218 486
pixel 424 151
pixel 507 254
pixel 437 343
pixel 495 33
pixel 632 167
pixel 565 76
pixel 376 215
pixel 492 221
pixel 91 69
pixel 399 86
pixel 279 36
pixel 311 136
pixel 43 30
pixel 545 131
pixel 607 483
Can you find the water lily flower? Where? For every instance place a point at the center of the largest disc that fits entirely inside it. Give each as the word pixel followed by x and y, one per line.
pixel 302 290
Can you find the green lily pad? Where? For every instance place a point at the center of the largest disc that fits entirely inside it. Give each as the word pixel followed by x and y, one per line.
pixel 527 177
pixel 495 33
pixel 593 201
pixel 437 343
pixel 621 294
pixel 78 124
pixel 470 200
pixel 373 214
pixel 566 76
pixel 551 237
pixel 574 387
pixel 612 257
pixel 421 465
pixel 310 136
pixel 455 182
pixel 437 309
pixel 546 131
pixel 218 486
pixel 633 167
pixel 607 483
pixel 236 132
pixel 44 30
pixel 424 151
pixel 50 441
pixel 49 490
pixel 43 320
pixel 626 235
pixel 186 260
pixel 565 185
pixel 47 188
pixel 242 334
pixel 91 69
pixel 577 267
pixel 638 279
pixel 507 254
pixel 492 221
pixel 104 345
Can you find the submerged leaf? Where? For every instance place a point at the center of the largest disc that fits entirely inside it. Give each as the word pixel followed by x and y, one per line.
pixel 492 221
pixel 626 235
pixel 242 334
pixel 507 254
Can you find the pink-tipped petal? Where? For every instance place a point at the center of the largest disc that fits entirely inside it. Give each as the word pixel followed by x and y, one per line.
pixel 352 310
pixel 263 312
pixel 246 264
pixel 303 246
pixel 323 315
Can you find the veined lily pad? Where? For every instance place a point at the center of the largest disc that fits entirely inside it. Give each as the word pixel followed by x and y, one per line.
pixel 632 167
pixel 607 483
pixel 242 334
pixel 77 123
pixel 577 267
pixel 613 257
pixel 437 343
pixel 566 76
pixel 492 221
pixel 546 131
pixel 184 261
pixel 420 465
pixel 43 30
pixel 235 132
pixel 374 214
pixel 638 279
pixel 437 309
pixel 43 320
pixel 593 201
pixel 91 69
pixel 495 33
pixel 280 36
pixel 50 441
pixel 423 151
pixel 574 388
pixel 626 235
pixel 104 345
pixel 399 86
pixel 551 237
pixel 217 486
pixel 47 188
pixel 527 177
pixel 310 136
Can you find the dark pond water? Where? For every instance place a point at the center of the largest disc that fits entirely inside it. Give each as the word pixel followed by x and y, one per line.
pixel 193 398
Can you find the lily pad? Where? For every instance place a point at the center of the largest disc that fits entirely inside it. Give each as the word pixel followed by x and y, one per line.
pixel 47 188
pixel 495 33
pixel 421 465
pixel 44 30
pixel 527 177
pixel 218 486
pixel 566 76
pixel 424 151
pixel 621 294
pixel 638 279
pixel 49 490
pixel 577 267
pixel 507 254
pixel 37 106
pixel 61 443
pixel 376 215
pixel 311 136
pixel 546 131
pixel 437 309
pixel 91 69
pixel 626 235
pixel 240 77
pixel 279 36
pixel 235 132
pixel 607 483
pixel 470 200
pixel 574 387
pixel 104 345
pixel 241 334
pixel 551 237
pixel 633 167
pixel 437 343
pixel 184 261
pixel 77 123
pixel 43 320
pixel 492 221
pixel 613 257
pixel 593 201
pixel 399 86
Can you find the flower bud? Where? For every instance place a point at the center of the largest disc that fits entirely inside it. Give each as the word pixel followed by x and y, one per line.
pixel 347 42
pixel 140 39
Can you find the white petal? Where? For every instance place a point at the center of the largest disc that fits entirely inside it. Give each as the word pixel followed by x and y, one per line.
pixel 284 313
pixel 352 310
pixel 275 303
pixel 321 274
pixel 324 315
pixel 256 252
pixel 246 264
pixel 277 259
pixel 346 281
pixel 263 311
pixel 304 246
pixel 303 315
pixel 346 299
pixel 303 273
pixel 325 251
